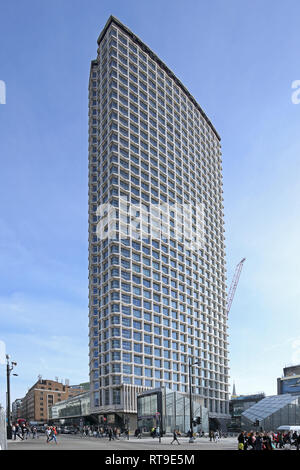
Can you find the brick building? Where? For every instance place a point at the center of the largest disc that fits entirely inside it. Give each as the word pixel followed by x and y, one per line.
pixel 42 395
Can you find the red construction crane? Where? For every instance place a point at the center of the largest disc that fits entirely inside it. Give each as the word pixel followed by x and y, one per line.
pixel 234 284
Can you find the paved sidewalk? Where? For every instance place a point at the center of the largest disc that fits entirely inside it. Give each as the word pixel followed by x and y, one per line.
pixel 67 442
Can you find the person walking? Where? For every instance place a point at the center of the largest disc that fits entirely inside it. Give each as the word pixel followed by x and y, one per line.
pixel 19 432
pixel 250 441
pixel 175 438
pixel 297 442
pixel 34 433
pixel 258 442
pixel 53 433
pixel 48 432
pixel 241 441
pixel 266 442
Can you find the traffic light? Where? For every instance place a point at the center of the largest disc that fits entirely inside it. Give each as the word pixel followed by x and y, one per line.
pixel 198 420
pixel 256 423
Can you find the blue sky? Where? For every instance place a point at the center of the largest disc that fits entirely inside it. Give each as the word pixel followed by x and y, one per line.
pixel 238 59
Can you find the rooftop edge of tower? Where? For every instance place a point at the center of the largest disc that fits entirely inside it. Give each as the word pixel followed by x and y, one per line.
pixel 145 48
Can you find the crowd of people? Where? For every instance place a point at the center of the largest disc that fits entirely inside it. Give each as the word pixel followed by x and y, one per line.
pixel 246 440
pixel 99 431
pixel 268 440
pixel 215 436
pixel 23 431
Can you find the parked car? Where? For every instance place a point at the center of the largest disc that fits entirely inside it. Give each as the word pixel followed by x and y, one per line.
pixel 68 430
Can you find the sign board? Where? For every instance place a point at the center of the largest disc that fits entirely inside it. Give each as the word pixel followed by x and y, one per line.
pixel 290 385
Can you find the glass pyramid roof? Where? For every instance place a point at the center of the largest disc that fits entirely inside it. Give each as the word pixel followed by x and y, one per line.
pixel 268 406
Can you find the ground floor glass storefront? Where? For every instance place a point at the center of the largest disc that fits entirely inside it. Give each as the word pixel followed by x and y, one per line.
pixel 74 411
pixel 170 410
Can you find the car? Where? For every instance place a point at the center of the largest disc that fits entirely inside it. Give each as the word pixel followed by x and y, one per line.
pixel 68 430
pixel 40 429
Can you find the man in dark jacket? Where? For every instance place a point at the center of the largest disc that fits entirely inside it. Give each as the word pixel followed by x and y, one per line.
pixel 297 441
pixel 175 437
pixel 241 440
pixel 258 442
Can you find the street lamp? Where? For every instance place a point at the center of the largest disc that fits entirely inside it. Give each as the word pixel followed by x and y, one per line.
pixel 191 402
pixel 9 368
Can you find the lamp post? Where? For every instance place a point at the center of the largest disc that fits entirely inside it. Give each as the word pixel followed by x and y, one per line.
pixel 9 368
pixel 191 401
pixel 126 425
pixel 158 424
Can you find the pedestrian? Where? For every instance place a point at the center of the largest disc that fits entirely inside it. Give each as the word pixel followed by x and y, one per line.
pixel 258 442
pixel 266 442
pixel 19 432
pixel 34 432
pixel 241 440
pixel 110 435
pixel 175 438
pixel 250 441
pixel 287 441
pixel 298 441
pixel 53 433
pixel 14 431
pixel 48 432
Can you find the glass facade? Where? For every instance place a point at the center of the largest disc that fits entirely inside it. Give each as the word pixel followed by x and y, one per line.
pixel 73 407
pixel 174 410
pixel 156 242
pixel 238 405
pixel 272 412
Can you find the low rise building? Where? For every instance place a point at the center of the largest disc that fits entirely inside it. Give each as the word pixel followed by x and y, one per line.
pixel 74 411
pixel 290 381
pixel 237 405
pixel 42 396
